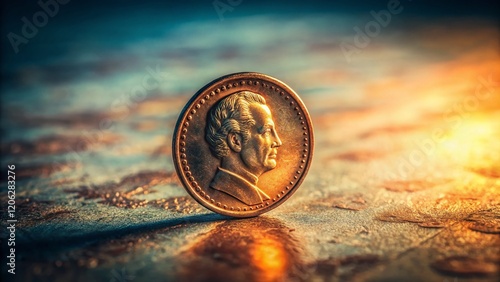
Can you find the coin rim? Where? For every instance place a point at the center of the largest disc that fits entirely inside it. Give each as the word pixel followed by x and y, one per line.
pixel 183 116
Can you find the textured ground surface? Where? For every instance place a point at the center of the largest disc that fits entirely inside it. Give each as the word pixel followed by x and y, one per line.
pixel 404 185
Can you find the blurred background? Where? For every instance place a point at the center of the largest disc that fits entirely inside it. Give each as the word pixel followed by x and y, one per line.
pixel 403 96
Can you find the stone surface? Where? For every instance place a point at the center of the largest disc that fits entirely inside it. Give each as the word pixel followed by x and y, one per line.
pixel 404 183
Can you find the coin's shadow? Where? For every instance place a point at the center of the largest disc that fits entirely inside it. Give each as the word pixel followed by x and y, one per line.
pixel 97 235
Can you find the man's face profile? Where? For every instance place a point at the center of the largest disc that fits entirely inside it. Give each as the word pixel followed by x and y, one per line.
pixel 259 152
pixel 242 134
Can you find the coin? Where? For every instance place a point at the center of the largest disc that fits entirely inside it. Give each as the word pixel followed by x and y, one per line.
pixel 243 144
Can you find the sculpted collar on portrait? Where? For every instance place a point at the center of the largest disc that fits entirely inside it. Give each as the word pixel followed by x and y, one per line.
pixel 243 189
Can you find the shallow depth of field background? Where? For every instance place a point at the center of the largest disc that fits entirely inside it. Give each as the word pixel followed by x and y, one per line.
pixel 405 178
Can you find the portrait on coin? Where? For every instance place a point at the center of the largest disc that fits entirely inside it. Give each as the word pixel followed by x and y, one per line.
pixel 241 133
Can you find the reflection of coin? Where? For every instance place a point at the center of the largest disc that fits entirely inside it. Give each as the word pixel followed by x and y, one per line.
pixel 243 144
pixel 267 256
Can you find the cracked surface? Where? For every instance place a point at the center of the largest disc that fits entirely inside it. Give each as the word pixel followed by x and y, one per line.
pixel 404 182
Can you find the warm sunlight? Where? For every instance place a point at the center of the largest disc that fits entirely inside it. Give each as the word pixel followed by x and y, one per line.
pixel 470 142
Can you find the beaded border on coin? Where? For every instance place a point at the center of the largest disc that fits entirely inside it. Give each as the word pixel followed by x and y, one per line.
pixel 211 91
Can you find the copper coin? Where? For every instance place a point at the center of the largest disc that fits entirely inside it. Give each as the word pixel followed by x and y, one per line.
pixel 243 144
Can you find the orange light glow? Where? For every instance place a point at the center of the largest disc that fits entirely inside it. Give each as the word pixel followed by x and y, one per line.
pixel 471 142
pixel 269 256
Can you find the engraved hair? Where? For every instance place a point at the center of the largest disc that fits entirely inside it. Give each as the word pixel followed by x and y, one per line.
pixel 230 115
